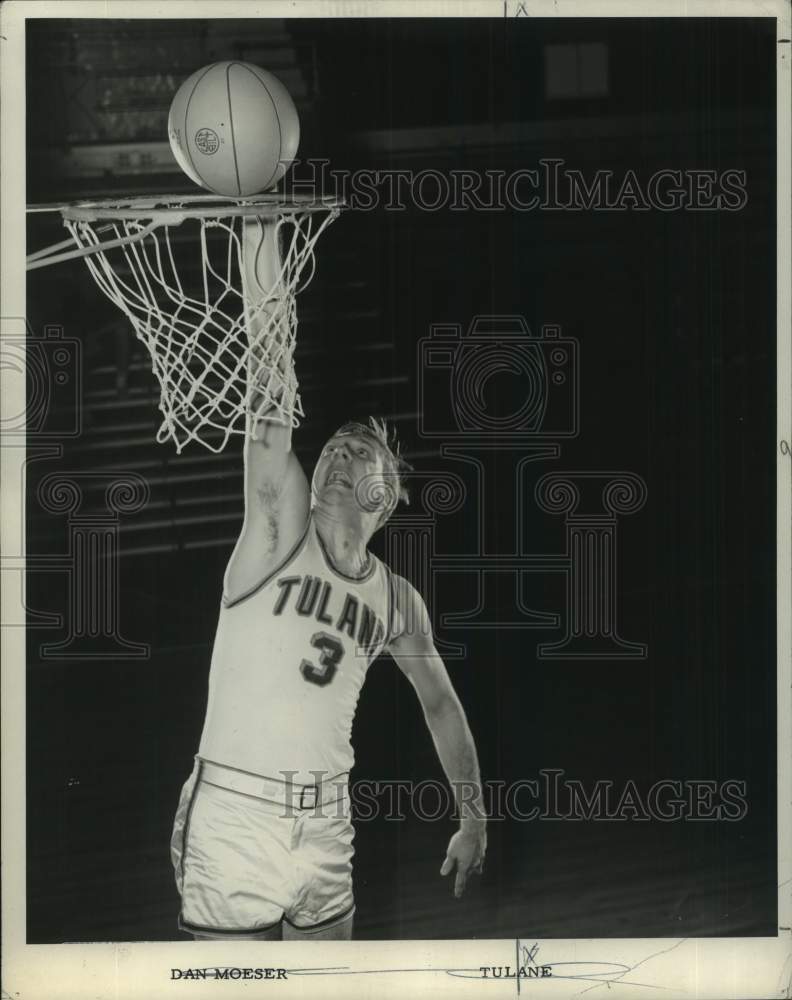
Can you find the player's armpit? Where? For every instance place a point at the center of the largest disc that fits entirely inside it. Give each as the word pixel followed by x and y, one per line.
pixel 277 508
pixel 275 483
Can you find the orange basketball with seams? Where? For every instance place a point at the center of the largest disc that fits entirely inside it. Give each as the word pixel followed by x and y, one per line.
pixel 233 128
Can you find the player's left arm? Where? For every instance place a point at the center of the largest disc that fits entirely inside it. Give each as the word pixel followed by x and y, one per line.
pixel 415 653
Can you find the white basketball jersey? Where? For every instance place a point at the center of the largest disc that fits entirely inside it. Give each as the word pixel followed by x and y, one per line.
pixel 289 660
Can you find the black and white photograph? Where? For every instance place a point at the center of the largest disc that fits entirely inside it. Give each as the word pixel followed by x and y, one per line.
pixel 396 468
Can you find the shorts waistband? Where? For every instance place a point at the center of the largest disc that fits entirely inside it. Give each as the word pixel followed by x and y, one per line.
pixel 286 793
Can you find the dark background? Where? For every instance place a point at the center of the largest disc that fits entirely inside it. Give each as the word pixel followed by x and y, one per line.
pixel 674 313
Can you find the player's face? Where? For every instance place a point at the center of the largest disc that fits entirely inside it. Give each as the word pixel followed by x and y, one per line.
pixel 349 470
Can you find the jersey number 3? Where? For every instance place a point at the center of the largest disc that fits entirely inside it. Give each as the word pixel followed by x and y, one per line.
pixel 331 653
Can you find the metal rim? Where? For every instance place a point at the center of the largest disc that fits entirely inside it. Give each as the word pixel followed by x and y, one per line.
pixel 191 206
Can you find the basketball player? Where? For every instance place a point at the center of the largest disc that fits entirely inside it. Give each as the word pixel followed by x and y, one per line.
pixel 262 842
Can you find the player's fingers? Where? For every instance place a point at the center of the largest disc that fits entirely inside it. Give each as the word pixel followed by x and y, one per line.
pixel 459 883
pixel 447 865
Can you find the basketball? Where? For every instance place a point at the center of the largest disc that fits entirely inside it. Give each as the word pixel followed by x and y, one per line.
pixel 233 128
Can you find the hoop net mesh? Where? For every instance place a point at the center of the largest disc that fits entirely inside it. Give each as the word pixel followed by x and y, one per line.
pixel 221 351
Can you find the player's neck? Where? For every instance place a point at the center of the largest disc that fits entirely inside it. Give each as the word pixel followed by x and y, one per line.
pixel 344 543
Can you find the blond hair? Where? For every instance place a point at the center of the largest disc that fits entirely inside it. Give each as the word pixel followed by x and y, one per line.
pixel 396 466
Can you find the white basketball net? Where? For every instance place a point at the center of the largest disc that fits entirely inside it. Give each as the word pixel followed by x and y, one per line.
pixel 221 351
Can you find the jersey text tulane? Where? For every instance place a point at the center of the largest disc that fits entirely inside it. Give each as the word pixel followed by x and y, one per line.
pixel 289 660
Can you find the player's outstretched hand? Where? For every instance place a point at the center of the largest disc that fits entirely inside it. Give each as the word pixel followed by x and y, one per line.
pixel 465 852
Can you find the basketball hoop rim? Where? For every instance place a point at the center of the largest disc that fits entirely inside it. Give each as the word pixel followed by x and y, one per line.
pixel 174 208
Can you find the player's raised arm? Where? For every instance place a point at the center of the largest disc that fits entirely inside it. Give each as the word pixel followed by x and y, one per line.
pixel 277 495
pixel 415 653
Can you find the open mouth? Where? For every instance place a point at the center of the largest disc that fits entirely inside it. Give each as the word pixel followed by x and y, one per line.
pixel 338 478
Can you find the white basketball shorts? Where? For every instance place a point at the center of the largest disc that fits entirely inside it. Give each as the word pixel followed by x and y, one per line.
pixel 243 863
